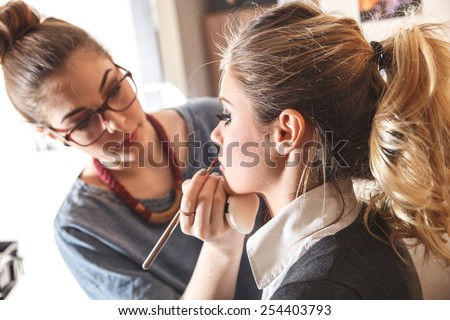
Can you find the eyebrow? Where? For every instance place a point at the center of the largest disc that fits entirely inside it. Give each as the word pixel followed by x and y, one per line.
pixel 100 89
pixel 105 76
pixel 72 113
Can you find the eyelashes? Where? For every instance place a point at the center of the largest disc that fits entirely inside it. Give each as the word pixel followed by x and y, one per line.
pixel 224 117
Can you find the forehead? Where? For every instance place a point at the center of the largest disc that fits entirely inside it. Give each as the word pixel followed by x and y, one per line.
pixel 232 95
pixel 76 85
pixel 236 102
pixel 82 72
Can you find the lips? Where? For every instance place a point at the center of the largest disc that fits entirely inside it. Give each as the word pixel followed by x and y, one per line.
pixel 134 134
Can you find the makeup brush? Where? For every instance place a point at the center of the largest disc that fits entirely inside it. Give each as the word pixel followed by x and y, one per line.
pixel 240 213
pixel 170 228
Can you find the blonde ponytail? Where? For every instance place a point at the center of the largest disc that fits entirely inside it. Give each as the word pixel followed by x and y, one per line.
pixel 410 140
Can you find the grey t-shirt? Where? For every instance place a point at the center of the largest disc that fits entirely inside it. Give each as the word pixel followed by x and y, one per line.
pixel 104 243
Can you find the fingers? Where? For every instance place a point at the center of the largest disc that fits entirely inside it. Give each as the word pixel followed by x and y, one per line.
pixel 201 225
pixel 218 206
pixel 206 196
pixel 191 189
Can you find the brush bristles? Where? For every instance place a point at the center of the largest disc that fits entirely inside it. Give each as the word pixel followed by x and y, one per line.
pixel 211 166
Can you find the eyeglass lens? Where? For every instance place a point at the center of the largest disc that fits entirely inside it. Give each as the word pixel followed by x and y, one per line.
pixel 89 129
pixel 120 97
pixel 92 127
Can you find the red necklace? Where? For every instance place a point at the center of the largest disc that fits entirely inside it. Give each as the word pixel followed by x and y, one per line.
pixel 133 203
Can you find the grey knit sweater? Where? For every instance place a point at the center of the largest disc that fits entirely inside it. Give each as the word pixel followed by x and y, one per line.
pixel 351 265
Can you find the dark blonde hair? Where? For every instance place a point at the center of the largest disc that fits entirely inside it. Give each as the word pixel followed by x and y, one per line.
pixel 32 50
pixel 397 131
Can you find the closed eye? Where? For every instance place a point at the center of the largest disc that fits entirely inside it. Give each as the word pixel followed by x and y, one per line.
pixel 114 92
pixel 85 122
pixel 224 117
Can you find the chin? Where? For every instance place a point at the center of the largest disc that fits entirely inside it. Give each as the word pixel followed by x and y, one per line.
pixel 236 188
pixel 121 160
pixel 131 160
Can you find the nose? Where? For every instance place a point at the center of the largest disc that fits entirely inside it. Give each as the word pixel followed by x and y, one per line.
pixel 115 121
pixel 216 135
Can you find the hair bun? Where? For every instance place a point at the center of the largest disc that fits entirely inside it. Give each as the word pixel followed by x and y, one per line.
pixel 16 19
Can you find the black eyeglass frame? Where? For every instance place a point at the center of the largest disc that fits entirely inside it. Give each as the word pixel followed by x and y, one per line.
pixel 67 136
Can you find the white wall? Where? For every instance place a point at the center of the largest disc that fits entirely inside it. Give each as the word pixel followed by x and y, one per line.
pixel 110 22
pixel 181 37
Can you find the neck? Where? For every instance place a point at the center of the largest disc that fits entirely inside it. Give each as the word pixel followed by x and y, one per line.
pixel 281 191
pixel 284 186
pixel 277 199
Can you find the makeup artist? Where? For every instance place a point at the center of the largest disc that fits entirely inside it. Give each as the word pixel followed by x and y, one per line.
pixel 65 84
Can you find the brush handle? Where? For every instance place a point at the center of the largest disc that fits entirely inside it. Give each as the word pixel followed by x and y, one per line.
pixel 169 230
pixel 162 241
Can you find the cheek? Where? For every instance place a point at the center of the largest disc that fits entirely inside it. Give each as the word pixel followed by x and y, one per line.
pixel 104 150
pixel 242 157
pixel 98 150
pixel 232 148
pixel 241 146
pixel 135 110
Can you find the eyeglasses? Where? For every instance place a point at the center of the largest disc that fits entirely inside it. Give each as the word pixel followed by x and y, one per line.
pixel 93 125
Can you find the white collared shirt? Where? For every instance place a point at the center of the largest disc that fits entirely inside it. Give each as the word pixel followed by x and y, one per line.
pixel 277 245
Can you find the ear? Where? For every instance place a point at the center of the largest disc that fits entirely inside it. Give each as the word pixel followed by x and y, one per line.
pixel 289 131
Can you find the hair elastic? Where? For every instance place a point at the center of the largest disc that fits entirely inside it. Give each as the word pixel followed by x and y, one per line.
pixel 379 54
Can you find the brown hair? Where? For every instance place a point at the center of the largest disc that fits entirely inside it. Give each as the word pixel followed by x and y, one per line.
pixel 295 56
pixel 32 50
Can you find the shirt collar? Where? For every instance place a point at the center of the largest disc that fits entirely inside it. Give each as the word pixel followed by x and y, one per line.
pixel 272 248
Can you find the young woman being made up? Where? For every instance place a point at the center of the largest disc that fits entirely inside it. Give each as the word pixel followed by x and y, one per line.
pixel 306 111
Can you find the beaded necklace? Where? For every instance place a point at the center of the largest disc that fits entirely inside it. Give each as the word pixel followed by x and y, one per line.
pixel 134 204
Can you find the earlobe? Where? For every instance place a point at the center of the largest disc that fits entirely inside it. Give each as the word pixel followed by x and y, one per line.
pixel 289 131
pixel 283 148
pixel 49 133
pixel 40 129
pixel 46 132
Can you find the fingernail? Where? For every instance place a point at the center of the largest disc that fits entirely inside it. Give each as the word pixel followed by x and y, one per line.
pixel 202 172
pixel 215 174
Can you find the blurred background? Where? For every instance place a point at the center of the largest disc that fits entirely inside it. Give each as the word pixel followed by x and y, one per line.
pixel 171 48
